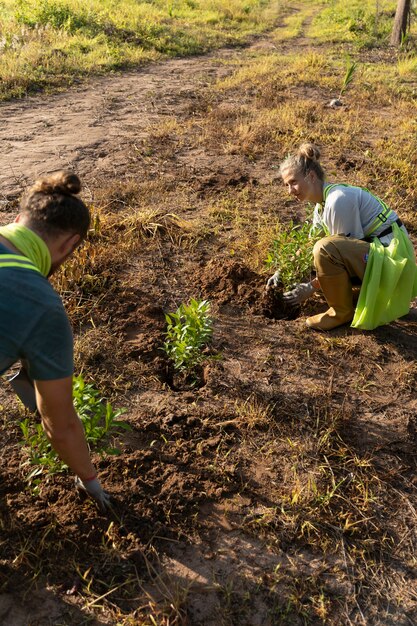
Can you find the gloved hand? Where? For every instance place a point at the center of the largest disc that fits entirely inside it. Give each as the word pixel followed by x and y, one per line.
pixel 94 489
pixel 273 281
pixel 301 292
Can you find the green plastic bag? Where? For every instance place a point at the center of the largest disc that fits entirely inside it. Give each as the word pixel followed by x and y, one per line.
pixel 389 284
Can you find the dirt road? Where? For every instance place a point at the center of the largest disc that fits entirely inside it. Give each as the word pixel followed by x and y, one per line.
pixel 88 128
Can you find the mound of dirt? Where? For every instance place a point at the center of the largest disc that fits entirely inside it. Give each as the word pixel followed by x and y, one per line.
pixel 231 282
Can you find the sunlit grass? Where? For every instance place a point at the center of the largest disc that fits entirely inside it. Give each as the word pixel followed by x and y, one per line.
pixel 49 44
pixel 407 67
pixel 293 24
pixel 360 22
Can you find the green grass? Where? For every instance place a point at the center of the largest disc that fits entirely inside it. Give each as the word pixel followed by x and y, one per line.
pixel 50 43
pixel 356 21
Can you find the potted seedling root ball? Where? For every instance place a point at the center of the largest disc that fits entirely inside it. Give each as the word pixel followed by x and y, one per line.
pixel 273 306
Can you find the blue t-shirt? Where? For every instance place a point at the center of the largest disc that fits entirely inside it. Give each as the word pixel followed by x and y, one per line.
pixel 33 325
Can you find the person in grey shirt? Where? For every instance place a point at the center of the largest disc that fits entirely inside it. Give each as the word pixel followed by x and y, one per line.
pixel 350 218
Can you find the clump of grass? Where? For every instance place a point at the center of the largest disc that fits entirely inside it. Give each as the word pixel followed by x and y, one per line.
pixel 253 413
pixel 100 422
pixel 188 331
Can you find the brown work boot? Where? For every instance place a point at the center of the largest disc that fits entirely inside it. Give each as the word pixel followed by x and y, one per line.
pixel 337 290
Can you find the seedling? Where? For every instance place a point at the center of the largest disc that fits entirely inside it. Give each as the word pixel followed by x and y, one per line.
pixel 97 415
pixel 350 71
pixel 188 331
pixel 100 422
pixel 291 253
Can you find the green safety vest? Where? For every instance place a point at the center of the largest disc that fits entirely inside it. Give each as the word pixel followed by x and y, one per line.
pixel 16 260
pixel 380 219
pixel 389 283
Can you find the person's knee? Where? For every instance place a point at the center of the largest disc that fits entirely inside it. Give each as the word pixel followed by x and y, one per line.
pixel 321 248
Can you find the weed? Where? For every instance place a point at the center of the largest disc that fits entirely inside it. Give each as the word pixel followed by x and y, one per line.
pixel 188 331
pixel 253 413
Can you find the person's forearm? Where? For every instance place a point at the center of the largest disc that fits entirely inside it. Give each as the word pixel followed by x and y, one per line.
pixel 71 446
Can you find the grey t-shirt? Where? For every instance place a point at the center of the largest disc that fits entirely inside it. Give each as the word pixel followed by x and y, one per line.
pixel 350 211
pixel 33 325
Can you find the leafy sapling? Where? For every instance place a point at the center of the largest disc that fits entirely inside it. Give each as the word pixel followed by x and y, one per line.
pixel 290 253
pixel 188 331
pixel 100 423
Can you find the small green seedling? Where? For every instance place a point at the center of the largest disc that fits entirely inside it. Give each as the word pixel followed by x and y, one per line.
pixel 291 253
pixel 350 72
pixel 97 415
pixel 100 422
pixel 188 330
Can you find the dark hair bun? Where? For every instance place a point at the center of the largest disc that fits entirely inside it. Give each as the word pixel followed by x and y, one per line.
pixel 62 182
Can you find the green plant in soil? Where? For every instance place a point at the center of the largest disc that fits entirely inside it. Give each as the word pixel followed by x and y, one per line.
pixel 100 422
pixel 97 415
pixel 188 330
pixel 348 77
pixel 291 253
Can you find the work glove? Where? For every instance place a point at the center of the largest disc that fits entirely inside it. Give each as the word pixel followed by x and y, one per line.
pixel 273 281
pixel 94 489
pixel 301 292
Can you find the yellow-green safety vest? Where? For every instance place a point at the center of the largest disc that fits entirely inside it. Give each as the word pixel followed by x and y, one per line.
pixel 380 219
pixel 16 260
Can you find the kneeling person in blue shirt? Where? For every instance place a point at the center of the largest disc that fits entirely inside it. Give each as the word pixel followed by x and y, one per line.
pixel 34 327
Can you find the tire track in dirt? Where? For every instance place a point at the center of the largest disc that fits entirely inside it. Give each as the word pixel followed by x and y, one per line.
pixel 89 128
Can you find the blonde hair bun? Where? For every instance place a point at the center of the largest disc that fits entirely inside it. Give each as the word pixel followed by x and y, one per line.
pixel 309 151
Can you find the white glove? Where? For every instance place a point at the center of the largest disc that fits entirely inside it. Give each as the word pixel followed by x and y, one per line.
pixel 273 281
pixel 301 292
pixel 95 491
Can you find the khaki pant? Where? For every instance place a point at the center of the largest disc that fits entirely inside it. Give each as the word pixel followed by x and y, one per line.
pixel 336 254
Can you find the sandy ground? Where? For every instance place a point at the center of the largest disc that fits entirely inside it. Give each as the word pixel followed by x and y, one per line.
pixel 89 129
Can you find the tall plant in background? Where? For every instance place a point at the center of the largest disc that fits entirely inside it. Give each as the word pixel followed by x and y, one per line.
pixel 188 331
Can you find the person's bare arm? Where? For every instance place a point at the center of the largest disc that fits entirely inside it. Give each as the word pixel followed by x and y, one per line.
pixel 65 431
pixel 62 425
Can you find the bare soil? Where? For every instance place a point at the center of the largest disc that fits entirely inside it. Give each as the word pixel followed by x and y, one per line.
pixel 206 530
